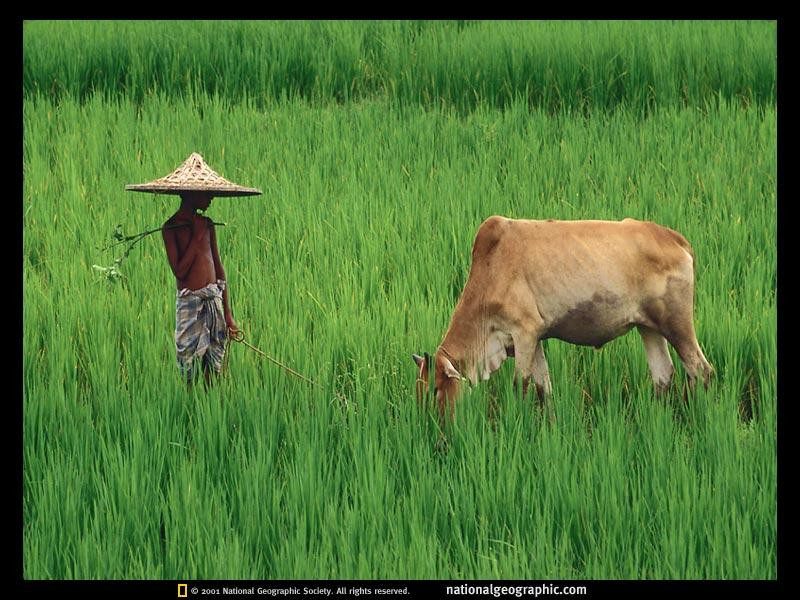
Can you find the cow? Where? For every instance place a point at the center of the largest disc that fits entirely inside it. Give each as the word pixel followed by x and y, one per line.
pixel 584 282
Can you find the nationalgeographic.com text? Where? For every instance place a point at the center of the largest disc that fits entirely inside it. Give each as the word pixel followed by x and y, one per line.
pixel 517 590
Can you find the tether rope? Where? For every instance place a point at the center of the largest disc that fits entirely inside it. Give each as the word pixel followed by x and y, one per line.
pixel 239 337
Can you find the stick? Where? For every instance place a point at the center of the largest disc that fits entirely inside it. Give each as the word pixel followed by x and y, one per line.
pixel 143 234
pixel 111 272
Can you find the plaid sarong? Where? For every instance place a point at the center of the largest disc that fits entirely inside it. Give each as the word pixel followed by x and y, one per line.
pixel 200 329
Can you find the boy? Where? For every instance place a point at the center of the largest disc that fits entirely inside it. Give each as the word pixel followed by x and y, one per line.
pixel 203 314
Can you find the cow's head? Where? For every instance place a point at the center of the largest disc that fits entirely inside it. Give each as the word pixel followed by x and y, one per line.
pixel 446 380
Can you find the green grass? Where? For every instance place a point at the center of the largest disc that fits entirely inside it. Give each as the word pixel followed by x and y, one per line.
pixel 547 64
pixel 352 259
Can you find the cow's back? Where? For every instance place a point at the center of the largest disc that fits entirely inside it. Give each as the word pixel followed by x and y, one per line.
pixel 590 269
pixel 578 249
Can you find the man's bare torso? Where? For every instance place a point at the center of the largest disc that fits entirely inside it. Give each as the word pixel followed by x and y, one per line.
pixel 197 233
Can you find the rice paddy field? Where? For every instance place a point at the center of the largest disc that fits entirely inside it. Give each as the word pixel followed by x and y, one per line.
pixel 380 147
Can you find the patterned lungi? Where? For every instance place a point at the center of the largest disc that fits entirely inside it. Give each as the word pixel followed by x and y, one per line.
pixel 200 329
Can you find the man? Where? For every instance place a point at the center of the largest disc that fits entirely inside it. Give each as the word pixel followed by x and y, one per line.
pixel 203 309
pixel 203 317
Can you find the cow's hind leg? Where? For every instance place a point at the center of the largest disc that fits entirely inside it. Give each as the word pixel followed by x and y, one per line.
pixel 658 358
pixel 673 317
pixel 680 333
pixel 693 359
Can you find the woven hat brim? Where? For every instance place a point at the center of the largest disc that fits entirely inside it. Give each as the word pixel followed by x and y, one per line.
pixel 178 189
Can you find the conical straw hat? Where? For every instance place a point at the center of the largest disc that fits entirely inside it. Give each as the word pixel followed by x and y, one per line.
pixel 194 175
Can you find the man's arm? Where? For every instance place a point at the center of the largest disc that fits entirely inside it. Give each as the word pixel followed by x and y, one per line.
pixel 180 268
pixel 220 271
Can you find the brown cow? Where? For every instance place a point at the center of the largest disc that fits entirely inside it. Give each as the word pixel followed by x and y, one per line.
pixel 584 282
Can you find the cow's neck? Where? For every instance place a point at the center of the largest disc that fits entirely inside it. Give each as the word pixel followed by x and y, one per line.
pixel 460 343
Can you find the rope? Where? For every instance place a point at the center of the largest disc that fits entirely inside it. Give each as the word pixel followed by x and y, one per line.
pixel 447 354
pixel 239 337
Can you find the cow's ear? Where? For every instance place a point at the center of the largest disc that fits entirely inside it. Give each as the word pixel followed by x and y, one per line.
pixel 418 359
pixel 450 370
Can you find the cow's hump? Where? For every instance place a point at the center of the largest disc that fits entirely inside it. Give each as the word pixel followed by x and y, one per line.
pixel 489 235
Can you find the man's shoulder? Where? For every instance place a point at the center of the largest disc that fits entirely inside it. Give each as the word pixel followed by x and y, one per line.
pixel 171 224
pixel 168 225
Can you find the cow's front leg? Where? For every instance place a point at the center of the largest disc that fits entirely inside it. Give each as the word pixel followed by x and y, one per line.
pixel 541 375
pixel 525 346
pixel 525 382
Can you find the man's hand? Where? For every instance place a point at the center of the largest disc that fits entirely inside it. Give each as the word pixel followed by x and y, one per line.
pixel 233 329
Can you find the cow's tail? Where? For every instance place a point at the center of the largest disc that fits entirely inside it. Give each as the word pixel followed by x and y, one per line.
pixel 684 243
pixel 687 247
